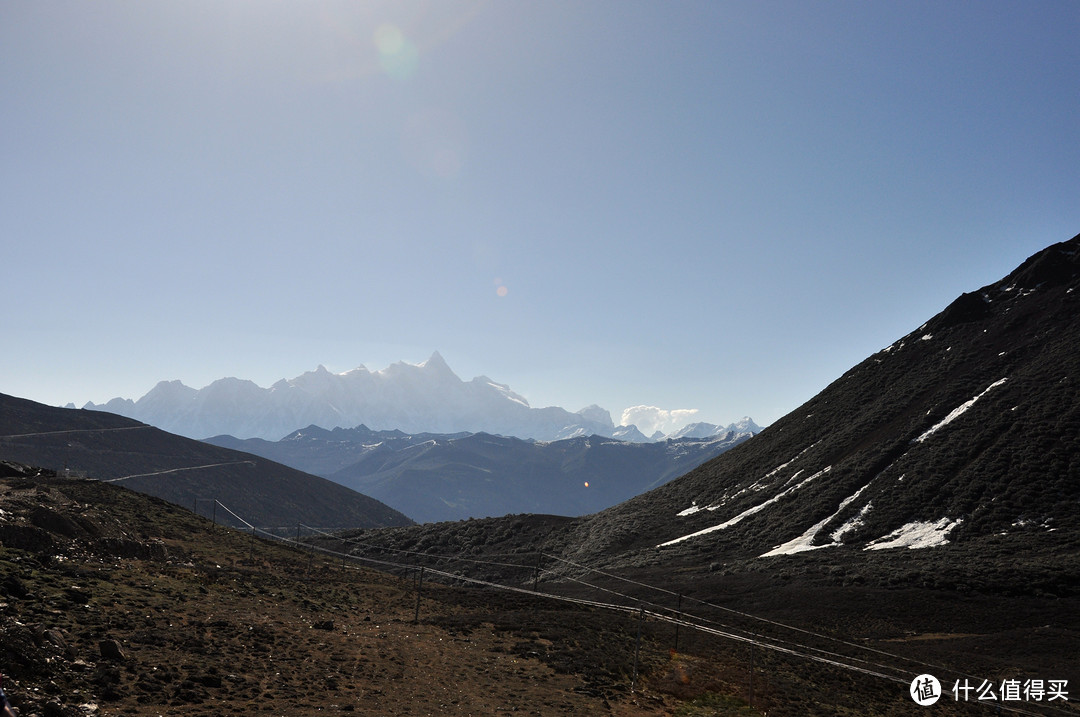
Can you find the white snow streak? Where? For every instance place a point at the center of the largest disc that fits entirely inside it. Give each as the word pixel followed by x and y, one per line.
pixel 957 412
pixel 746 513
pixel 805 541
pixel 759 485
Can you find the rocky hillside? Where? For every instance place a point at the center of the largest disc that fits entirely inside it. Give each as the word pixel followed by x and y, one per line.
pixel 184 471
pixel 966 428
pixel 115 603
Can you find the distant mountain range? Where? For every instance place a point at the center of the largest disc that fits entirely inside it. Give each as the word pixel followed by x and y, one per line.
pixel 427 397
pixel 440 477
pixel 189 473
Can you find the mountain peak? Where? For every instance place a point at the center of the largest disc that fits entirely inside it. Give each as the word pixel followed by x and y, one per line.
pixel 596 414
pixel 436 363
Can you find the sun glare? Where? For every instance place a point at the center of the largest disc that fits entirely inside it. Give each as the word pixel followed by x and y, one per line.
pixel 398 56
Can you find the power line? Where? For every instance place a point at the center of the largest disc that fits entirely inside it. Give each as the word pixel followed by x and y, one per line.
pixel 74 430
pixel 785 647
pixel 178 470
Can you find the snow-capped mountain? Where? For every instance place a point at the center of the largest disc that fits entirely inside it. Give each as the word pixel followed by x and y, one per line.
pixel 708 430
pixel 427 397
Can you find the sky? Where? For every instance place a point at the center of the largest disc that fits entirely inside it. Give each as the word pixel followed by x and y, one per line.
pixel 713 208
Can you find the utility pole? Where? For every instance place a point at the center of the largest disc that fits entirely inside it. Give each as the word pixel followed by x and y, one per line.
pixel 751 674
pixel 637 647
pixel 419 588
pixel 678 615
pixel 536 571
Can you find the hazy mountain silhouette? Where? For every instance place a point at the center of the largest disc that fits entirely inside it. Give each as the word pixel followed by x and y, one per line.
pixel 412 398
pixel 181 470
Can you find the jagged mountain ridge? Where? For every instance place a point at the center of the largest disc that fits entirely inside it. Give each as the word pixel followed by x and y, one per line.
pixel 180 470
pixel 427 397
pixel 442 477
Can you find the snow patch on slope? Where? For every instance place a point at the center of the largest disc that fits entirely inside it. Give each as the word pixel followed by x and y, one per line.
pixel 917 534
pixel 850 525
pixel 957 412
pixel 806 541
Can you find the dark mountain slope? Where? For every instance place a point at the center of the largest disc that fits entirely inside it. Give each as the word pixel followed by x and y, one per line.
pixel 969 426
pixel 440 477
pixel 180 470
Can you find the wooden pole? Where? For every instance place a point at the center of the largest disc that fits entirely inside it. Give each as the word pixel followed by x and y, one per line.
pixel 751 674
pixel 678 615
pixel 419 589
pixel 637 647
pixel 536 571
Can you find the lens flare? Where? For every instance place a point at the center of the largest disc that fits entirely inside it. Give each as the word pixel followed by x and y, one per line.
pixel 397 55
pixel 388 39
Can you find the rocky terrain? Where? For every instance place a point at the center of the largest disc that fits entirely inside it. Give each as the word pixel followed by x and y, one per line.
pixel 115 603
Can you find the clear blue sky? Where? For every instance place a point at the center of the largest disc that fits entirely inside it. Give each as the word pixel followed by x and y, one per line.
pixel 711 205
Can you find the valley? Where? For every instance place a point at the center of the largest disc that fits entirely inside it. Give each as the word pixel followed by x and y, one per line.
pixel 116 603
pixel 433 477
pixel 919 516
